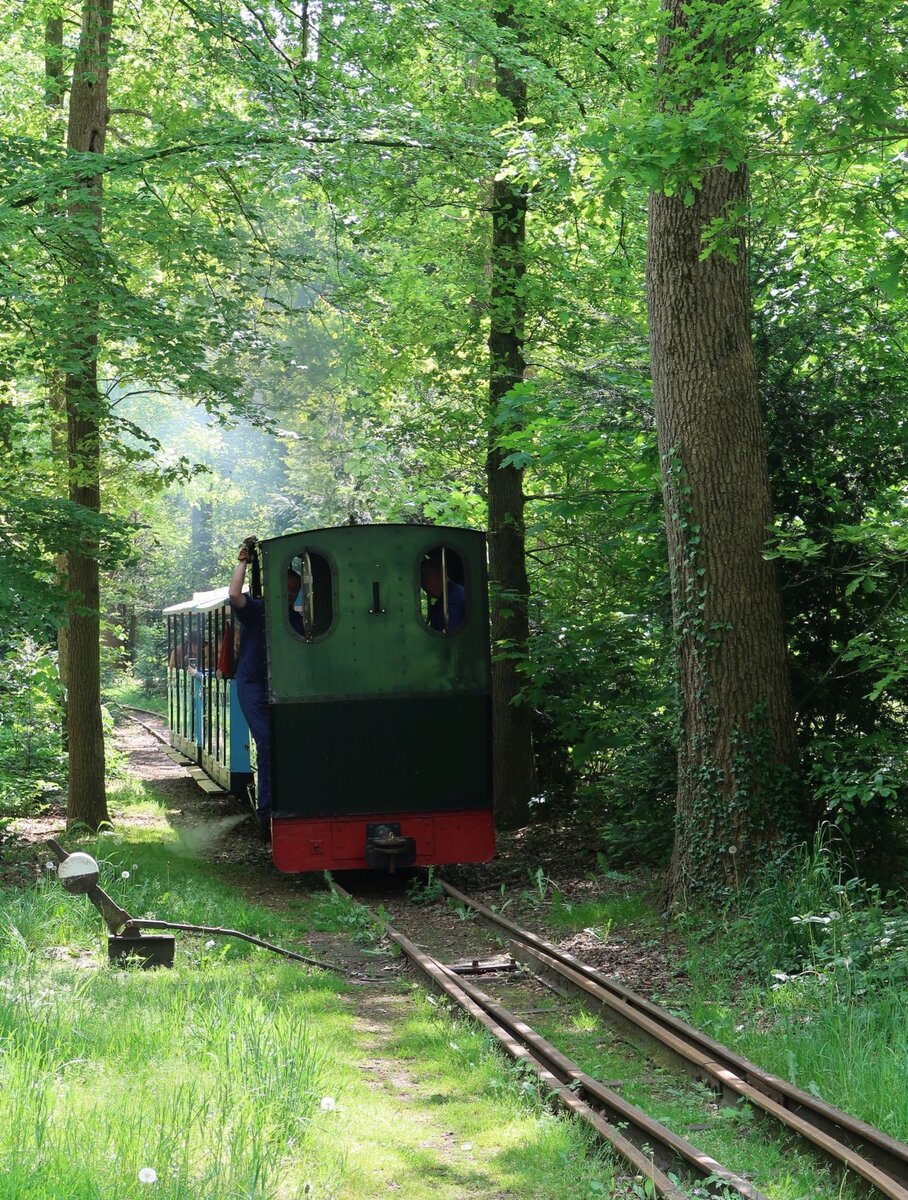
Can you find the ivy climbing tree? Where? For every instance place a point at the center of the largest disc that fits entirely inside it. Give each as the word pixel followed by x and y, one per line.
pixel 737 753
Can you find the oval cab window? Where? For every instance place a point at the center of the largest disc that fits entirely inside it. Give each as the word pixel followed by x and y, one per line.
pixel 310 590
pixel 443 593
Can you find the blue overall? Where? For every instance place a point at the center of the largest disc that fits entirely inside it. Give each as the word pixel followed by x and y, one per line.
pixel 252 692
pixel 457 607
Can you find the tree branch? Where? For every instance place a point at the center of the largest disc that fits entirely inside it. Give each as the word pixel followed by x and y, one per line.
pixel 111 163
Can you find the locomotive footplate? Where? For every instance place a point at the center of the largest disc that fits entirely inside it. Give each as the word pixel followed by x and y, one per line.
pixel 386 849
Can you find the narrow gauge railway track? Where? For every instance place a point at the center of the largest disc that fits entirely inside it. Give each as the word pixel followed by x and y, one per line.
pixel 129 709
pixel 650 1148
pixel 878 1159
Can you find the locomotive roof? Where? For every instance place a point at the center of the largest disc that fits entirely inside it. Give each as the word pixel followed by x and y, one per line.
pixel 368 528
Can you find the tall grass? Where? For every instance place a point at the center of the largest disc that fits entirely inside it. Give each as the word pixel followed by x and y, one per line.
pixel 599 915
pixel 114 1074
pixel 212 1080
pixel 208 1078
pixel 827 959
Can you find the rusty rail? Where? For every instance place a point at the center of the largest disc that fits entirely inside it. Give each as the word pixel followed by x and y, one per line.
pixel 879 1159
pixel 651 1149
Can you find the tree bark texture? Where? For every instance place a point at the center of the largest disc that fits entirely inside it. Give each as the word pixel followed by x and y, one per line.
pixel 54 91
pixel 737 746
pixel 512 743
pixel 85 408
pixel 737 751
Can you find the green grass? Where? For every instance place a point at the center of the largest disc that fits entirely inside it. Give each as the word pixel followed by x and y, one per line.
pixel 824 958
pixel 213 1075
pixel 122 688
pixel 734 1136
pixel 497 1135
pixel 849 1051
pixel 210 1075
pixel 805 976
pixel 600 915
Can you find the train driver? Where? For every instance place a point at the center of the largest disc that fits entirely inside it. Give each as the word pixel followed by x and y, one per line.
pixel 252 673
pixel 432 580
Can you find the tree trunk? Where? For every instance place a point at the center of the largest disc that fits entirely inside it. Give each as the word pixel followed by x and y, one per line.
pixel 85 409
pixel 737 752
pixel 512 745
pixel 54 89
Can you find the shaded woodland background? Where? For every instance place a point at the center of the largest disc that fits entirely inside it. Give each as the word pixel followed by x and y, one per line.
pixel 368 262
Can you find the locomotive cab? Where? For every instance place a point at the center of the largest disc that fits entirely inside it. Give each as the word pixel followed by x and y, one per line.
pixel 380 697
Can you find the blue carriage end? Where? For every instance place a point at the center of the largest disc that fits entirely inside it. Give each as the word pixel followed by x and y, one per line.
pixel 204 717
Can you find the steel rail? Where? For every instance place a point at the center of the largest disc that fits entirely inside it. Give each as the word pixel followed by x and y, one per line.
pixel 563 1080
pixel 879 1159
pixel 624 1126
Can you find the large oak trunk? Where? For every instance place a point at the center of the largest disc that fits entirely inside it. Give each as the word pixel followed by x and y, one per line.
pixel 737 752
pixel 736 738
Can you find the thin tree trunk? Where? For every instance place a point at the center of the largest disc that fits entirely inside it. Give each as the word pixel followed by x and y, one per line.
pixel 85 409
pixel 512 745
pixel 54 89
pixel 737 752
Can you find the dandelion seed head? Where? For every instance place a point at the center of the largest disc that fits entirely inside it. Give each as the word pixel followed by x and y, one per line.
pixel 124 874
pixel 328 1104
pixel 148 1175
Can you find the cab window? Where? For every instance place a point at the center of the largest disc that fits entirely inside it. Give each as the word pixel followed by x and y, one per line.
pixel 443 594
pixel 310 590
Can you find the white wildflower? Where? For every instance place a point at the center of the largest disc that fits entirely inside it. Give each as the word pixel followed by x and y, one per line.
pixel 328 1104
pixel 148 1175
pixel 124 874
